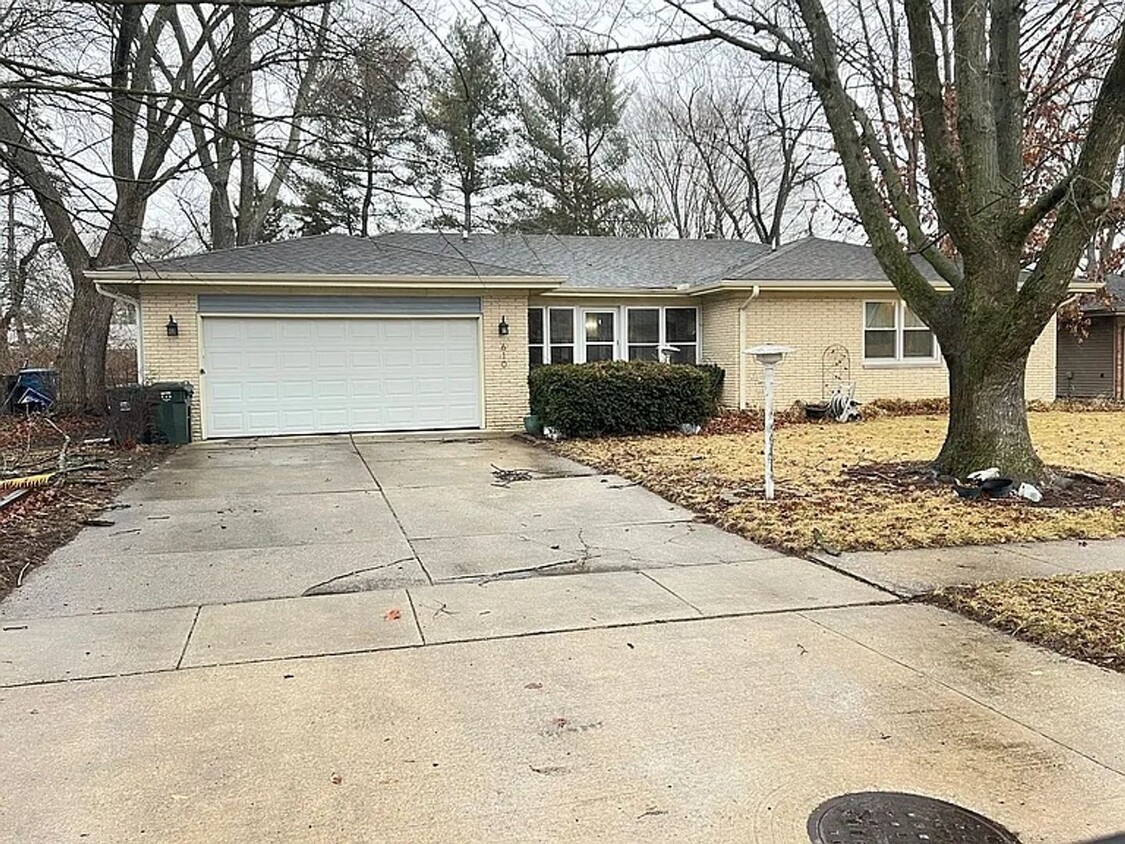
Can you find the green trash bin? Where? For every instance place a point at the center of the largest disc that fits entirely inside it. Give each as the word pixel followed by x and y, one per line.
pixel 172 411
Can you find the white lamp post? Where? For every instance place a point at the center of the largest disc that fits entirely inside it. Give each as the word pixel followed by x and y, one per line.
pixel 769 356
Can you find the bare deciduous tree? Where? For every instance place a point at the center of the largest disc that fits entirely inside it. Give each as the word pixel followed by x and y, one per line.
pixel 969 96
pixel 729 157
pixel 114 85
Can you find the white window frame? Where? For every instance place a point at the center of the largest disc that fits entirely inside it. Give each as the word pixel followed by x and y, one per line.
pixel 615 344
pixel 663 329
pixel 899 329
pixel 620 328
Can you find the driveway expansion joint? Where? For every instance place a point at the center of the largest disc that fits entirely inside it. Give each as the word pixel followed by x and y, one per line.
pixel 187 639
pixel 391 508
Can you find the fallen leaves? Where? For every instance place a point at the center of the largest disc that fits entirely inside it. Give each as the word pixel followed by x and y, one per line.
pixel 823 502
pixel 393 614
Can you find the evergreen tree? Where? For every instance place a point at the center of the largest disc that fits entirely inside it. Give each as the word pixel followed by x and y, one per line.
pixel 575 149
pixel 365 136
pixel 467 117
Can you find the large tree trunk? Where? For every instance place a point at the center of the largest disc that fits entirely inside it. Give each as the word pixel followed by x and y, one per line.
pixel 988 417
pixel 82 356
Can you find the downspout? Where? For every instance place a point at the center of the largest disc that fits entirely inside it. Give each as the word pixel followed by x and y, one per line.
pixel 136 305
pixel 742 342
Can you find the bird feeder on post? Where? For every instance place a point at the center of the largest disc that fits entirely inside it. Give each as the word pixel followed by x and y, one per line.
pixel 769 355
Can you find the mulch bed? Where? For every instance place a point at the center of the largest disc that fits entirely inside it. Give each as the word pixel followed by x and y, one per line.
pixel 1075 490
pixel 48 517
pixel 1082 615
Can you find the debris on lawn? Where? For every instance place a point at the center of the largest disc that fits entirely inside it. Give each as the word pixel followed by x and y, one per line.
pixel 984 474
pixel 870 485
pixel 56 472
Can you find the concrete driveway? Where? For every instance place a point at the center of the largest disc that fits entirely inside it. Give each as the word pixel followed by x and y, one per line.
pixel 338 640
pixel 247 520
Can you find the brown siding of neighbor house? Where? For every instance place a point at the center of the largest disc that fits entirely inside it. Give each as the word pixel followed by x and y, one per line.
pixel 1085 367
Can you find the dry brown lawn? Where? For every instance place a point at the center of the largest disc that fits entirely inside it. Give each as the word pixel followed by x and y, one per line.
pixel 720 477
pixel 1079 615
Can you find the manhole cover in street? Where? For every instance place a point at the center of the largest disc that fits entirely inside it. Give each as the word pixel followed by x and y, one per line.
pixel 888 817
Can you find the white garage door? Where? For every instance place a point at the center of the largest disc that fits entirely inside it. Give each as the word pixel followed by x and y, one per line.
pixel 275 375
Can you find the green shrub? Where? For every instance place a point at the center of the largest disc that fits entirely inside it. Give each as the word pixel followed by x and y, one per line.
pixel 620 397
pixel 716 375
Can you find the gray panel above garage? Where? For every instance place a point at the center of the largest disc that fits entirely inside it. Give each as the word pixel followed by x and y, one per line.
pixel 330 305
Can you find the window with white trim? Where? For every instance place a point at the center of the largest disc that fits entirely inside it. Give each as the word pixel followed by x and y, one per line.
pixel 649 330
pixel 560 335
pixel 599 335
pixel 892 333
pixel 536 338
pixel 588 335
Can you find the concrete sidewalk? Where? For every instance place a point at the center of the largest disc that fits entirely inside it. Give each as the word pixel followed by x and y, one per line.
pixel 338 640
pixel 700 729
pixel 60 648
pixel 922 570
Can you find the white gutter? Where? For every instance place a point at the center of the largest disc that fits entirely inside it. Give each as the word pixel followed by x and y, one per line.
pixel 741 342
pixel 136 305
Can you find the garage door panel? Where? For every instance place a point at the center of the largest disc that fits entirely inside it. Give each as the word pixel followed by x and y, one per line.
pixel 307 375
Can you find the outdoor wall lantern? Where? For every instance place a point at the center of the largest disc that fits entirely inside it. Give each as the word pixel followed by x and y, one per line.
pixel 504 328
pixel 172 328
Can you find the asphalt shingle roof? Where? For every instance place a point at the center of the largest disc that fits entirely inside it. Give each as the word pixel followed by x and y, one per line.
pixel 817 259
pixel 607 262
pixel 585 262
pixel 328 254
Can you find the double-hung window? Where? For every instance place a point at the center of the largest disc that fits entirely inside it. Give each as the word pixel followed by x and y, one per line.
pixel 550 336
pixel 599 335
pixel 567 335
pixel 652 329
pixel 892 333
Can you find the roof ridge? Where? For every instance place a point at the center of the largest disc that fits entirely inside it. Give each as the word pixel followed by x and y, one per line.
pixel 771 254
pixel 476 265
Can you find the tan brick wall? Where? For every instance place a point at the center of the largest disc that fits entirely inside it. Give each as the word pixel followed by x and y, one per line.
pixel 505 361
pixel 720 317
pixel 505 358
pixel 172 358
pixel 811 323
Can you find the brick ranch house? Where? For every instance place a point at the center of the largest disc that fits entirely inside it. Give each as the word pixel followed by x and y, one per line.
pixel 415 332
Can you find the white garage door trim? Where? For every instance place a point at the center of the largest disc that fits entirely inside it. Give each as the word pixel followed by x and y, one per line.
pixel 465 419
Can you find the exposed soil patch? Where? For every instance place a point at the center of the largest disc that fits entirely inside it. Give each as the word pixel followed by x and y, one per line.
pixel 1082 615
pixel 1075 489
pixel 50 515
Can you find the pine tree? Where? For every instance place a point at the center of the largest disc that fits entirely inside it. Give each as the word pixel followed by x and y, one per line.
pixel 468 119
pixel 575 150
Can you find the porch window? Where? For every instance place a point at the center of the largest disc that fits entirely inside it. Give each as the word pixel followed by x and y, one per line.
pixel 601 340
pixel 536 351
pixel 560 330
pixel 893 333
pixel 651 328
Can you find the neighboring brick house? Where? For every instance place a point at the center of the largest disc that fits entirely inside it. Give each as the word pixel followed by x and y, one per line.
pixel 437 332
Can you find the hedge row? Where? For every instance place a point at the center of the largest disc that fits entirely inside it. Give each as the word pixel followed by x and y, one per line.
pixel 623 397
